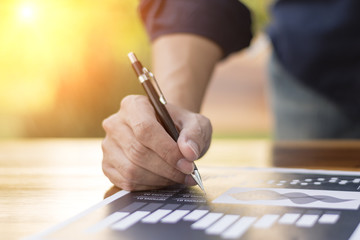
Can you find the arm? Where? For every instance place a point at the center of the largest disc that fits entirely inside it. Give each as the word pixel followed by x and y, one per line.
pixel 183 64
pixel 138 153
pixel 188 38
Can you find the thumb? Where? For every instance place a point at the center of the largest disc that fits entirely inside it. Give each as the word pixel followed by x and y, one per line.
pixel 195 136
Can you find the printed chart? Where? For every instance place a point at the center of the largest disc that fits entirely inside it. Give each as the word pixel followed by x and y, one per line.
pixel 284 204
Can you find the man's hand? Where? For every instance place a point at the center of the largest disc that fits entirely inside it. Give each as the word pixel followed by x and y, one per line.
pixel 138 152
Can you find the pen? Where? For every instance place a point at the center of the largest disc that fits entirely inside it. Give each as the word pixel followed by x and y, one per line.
pixel 157 99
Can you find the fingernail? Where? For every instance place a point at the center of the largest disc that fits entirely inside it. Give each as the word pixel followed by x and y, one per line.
pixel 189 181
pixel 194 147
pixel 185 166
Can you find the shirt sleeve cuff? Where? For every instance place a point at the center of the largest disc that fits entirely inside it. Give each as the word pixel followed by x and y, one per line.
pixel 225 22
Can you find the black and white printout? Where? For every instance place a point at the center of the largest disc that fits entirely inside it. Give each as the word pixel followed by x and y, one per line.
pixel 241 203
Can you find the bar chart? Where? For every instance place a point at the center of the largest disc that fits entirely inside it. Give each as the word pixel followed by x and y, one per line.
pixel 255 205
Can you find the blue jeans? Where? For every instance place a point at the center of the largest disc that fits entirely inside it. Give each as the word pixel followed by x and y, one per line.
pixel 301 113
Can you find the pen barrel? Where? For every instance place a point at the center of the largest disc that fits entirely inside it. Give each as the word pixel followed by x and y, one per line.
pixel 161 111
pixel 137 68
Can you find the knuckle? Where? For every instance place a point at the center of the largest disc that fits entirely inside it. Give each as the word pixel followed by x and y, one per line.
pixel 105 168
pixel 130 100
pixel 128 186
pixel 198 125
pixel 143 130
pixel 207 123
pixel 104 144
pixel 126 181
pixel 136 152
pixel 108 171
pixel 123 179
pixel 205 134
pixel 130 173
pixel 203 121
pixel 125 101
pixel 204 125
pixel 111 123
pixel 106 124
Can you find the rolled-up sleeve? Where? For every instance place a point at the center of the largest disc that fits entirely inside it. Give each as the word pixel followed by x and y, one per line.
pixel 225 22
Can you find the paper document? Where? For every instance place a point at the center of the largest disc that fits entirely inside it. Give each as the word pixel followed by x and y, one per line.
pixel 241 203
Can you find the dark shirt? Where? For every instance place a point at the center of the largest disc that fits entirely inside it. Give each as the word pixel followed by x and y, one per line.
pixel 318 41
pixel 226 22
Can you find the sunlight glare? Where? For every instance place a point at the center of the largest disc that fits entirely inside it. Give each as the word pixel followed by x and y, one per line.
pixel 52 51
pixel 27 12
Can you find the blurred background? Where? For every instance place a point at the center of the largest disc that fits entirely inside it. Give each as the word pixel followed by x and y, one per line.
pixel 64 68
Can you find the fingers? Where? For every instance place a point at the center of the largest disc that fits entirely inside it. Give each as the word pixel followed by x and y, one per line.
pixel 195 135
pixel 144 157
pixel 124 183
pixel 138 152
pixel 150 133
pixel 126 175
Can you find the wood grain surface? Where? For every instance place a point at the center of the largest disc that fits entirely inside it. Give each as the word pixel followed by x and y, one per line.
pixel 46 181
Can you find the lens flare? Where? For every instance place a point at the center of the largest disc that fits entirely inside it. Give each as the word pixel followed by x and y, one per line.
pixel 26 12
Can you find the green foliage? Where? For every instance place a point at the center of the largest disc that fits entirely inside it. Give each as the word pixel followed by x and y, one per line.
pixel 260 15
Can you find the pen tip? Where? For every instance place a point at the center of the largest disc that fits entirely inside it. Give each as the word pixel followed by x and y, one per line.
pixel 202 188
pixel 197 178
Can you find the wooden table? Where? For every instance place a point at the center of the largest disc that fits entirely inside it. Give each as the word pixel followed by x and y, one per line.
pixel 46 181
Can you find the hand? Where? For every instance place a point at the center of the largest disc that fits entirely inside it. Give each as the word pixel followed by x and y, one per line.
pixel 138 153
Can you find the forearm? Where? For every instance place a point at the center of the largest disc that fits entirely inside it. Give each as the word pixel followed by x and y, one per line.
pixel 183 64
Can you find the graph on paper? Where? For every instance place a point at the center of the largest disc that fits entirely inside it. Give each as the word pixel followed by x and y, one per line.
pixel 240 204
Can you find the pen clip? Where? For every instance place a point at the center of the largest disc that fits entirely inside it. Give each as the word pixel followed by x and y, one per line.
pixel 152 78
